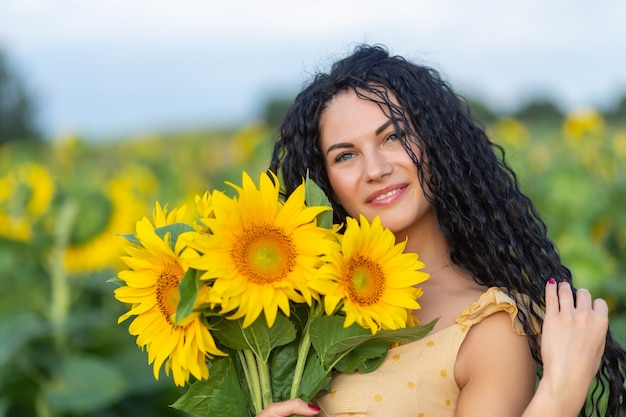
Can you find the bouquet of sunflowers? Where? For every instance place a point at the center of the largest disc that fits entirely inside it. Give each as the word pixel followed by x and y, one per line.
pixel 261 299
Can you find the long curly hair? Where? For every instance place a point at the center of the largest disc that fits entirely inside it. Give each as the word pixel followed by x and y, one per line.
pixel 493 229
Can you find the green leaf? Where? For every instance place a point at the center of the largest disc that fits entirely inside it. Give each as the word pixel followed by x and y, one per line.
pixel 118 282
pixel 331 340
pixel 314 379
pixel 371 364
pixel 364 358
pixel 257 337
pixel 316 197
pixel 299 315
pixel 222 394
pixel 18 330
pixel 85 384
pixel 188 288
pixel 282 366
pixel 131 238
pixel 175 230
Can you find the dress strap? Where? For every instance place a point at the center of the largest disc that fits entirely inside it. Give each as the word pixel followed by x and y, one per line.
pixel 491 301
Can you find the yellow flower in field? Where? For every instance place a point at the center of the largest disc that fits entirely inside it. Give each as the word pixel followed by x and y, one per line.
pixel 512 131
pixel 18 228
pixel 261 251
pixel 152 288
pixel 368 279
pixel 244 142
pixel 26 193
pixel 101 247
pixel 42 189
pixel 619 144
pixel 580 123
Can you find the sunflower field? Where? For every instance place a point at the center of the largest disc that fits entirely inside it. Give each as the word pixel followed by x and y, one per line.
pixel 64 203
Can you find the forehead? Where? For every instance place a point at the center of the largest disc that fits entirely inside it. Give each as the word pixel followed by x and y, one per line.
pixel 352 113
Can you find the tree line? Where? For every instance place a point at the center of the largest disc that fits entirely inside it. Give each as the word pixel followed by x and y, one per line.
pixel 19 108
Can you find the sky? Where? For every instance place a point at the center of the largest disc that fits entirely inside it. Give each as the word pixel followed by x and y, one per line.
pixel 104 68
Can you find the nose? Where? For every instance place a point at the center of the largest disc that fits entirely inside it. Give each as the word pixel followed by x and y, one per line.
pixel 377 166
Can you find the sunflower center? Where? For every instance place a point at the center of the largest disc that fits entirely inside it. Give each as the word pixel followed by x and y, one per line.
pixel 265 254
pixel 167 294
pixel 365 281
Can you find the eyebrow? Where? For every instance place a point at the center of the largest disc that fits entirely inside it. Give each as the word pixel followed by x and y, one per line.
pixel 383 126
pixel 349 145
pixel 338 145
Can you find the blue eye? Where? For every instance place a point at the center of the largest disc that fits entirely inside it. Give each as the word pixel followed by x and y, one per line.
pixel 395 136
pixel 344 156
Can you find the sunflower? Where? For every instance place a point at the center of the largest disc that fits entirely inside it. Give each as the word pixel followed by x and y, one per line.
pixel 261 252
pixel 26 193
pixel 371 279
pixel 95 244
pixel 161 217
pixel 152 288
pixel 204 207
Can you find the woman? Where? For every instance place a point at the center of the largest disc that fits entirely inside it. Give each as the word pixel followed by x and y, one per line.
pixel 385 137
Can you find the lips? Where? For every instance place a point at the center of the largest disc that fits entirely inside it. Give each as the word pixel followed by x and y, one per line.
pixel 386 194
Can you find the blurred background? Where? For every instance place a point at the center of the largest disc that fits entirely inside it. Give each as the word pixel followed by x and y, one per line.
pixel 109 106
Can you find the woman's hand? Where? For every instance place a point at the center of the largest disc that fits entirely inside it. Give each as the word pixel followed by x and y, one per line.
pixel 573 337
pixel 572 343
pixel 288 408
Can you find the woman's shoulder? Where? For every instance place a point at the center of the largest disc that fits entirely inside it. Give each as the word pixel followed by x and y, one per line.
pixel 495 358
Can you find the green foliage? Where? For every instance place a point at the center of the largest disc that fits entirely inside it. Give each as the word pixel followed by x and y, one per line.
pixel 480 111
pixel 539 109
pixel 17 105
pixel 275 110
pixel 62 353
pixel 334 347
pixel 618 113
pixel 218 396
pixel 316 197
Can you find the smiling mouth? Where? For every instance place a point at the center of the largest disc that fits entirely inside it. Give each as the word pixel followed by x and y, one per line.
pixel 386 195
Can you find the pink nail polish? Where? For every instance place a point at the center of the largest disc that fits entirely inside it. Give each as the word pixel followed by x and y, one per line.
pixel 313 407
pixel 551 281
pixel 564 280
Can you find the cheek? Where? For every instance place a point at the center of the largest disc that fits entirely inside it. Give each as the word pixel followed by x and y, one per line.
pixel 343 189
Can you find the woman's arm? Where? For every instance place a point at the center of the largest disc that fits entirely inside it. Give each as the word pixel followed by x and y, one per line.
pixel 496 374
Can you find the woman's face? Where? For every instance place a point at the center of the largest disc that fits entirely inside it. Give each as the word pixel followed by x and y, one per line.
pixel 369 170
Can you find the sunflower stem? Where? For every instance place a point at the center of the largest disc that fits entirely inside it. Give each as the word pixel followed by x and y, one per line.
pixel 303 353
pixel 266 385
pixel 248 360
pixel 60 286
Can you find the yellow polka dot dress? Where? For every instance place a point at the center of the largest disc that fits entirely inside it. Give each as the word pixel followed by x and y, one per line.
pixel 416 379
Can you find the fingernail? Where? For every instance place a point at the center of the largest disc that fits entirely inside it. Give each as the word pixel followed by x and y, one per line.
pixel 564 280
pixel 551 281
pixel 313 407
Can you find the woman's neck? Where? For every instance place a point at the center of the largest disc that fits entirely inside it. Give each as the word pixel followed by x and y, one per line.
pixel 425 239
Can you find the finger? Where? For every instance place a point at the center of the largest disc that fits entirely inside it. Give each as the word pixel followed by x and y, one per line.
pixel 583 299
pixel 600 306
pixel 566 298
pixel 552 299
pixel 289 407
